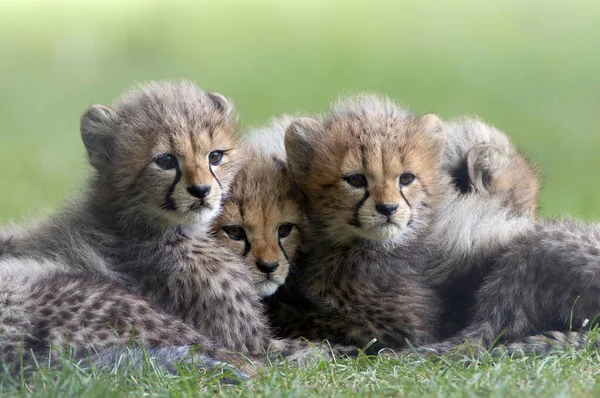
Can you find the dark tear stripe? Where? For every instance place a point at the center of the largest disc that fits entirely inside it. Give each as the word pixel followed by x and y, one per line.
pixel 247 247
pixel 283 250
pixel 215 177
pixel 170 203
pixel 355 220
pixel 406 200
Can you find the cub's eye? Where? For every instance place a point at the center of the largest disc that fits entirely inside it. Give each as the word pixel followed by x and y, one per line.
pixel 235 232
pixel 356 180
pixel 215 157
pixel 406 178
pixel 166 161
pixel 284 230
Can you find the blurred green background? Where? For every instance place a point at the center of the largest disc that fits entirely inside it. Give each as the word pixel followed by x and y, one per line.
pixel 532 68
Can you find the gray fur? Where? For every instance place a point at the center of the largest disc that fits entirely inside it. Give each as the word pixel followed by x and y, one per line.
pixel 419 284
pixel 543 280
pixel 469 263
pixel 137 226
pixel 44 318
pixel 269 139
pixel 481 159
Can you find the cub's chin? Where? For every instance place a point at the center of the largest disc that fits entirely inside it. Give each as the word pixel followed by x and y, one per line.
pixel 267 288
pixel 385 232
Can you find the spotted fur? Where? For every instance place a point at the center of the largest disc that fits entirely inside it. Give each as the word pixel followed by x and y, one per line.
pixel 295 316
pixel 262 219
pixel 375 273
pixel 350 274
pixel 47 318
pixel 143 220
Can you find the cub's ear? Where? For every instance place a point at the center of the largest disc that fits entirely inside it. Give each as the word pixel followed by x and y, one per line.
pixel 98 123
pixel 484 163
pixel 300 139
pixel 432 125
pixel 221 103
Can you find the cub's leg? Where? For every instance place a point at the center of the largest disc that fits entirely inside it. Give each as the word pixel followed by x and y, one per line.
pixel 95 320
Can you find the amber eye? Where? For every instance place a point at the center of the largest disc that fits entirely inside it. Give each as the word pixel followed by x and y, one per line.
pixel 407 178
pixel 284 230
pixel 215 157
pixel 235 232
pixel 166 161
pixel 356 180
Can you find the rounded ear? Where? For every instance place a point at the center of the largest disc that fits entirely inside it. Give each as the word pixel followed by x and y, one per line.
pixel 300 139
pixel 221 103
pixel 484 162
pixel 433 126
pixel 97 133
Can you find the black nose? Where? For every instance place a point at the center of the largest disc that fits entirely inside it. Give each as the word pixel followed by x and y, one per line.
pixel 267 267
pixel 199 191
pixel 386 209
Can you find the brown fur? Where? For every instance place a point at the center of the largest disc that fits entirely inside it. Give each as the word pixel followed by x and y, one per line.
pixel 362 278
pixel 483 160
pixel 84 316
pixel 139 224
pixel 509 177
pixel 262 199
pixel 354 274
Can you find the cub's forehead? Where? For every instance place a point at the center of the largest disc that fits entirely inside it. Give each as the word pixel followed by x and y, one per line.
pixel 174 109
pixel 262 186
pixel 370 116
pixel 262 181
pixel 358 143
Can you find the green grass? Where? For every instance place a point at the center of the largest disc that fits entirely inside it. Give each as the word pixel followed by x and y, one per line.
pixel 565 374
pixel 529 67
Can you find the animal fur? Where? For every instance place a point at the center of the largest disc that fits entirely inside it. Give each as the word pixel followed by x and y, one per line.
pixel 370 274
pixel 43 319
pixel 294 315
pixel 143 220
pixel 262 219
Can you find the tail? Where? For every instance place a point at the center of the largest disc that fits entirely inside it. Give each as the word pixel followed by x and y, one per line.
pixel 550 342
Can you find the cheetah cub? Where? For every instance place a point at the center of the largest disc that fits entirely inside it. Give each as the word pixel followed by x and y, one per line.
pixel 269 191
pixel 164 156
pixel 394 248
pixel 262 219
pixel 376 190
